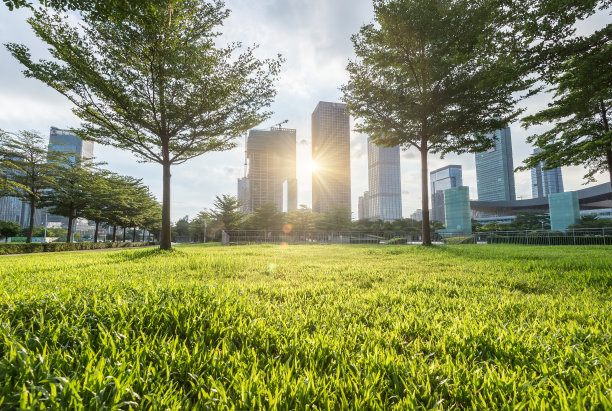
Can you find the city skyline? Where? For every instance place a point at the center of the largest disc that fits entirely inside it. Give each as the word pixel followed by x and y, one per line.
pixel 316 47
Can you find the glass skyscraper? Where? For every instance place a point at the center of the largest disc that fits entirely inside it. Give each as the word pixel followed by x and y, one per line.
pixel 384 183
pixel 545 182
pixel 495 169
pixel 331 152
pixel 66 140
pixel 440 180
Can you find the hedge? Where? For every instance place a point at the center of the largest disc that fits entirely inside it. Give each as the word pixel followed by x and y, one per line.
pixel 24 248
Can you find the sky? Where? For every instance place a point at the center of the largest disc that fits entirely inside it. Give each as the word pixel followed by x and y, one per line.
pixel 314 38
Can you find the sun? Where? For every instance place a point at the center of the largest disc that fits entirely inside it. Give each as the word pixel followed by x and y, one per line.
pixel 313 166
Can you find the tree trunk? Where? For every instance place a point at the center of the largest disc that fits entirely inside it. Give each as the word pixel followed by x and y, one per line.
pixel 124 229
pixel 425 194
pixel 115 233
pixel 606 125
pixel 31 228
pixel 166 230
pixel 69 234
pixel 96 232
pixel 134 235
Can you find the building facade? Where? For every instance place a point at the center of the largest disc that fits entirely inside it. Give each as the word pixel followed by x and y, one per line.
pixel 75 147
pixel 66 140
pixel 331 152
pixel 417 215
pixel 564 210
pixel 545 182
pixel 271 170
pixel 363 208
pixel 384 183
pixel 440 180
pixel 495 169
pixel 457 210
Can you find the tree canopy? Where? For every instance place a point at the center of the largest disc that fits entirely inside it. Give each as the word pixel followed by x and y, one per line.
pixel 154 82
pixel 434 75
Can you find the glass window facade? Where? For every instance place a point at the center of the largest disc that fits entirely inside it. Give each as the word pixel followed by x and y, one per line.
pixel 545 182
pixel 384 183
pixel 440 180
pixel 564 210
pixel 331 152
pixel 495 169
pixel 457 210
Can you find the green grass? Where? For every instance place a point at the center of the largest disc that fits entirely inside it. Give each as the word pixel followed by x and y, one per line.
pixel 299 327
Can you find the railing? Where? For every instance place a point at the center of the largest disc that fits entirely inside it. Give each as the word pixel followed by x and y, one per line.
pixel 591 236
pixel 316 237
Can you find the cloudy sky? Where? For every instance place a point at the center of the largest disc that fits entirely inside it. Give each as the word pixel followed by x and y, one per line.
pixel 314 38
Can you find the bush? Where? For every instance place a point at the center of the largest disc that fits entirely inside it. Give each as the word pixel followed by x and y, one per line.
pixel 22 248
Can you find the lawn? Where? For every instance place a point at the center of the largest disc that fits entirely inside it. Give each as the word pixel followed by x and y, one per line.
pixel 297 327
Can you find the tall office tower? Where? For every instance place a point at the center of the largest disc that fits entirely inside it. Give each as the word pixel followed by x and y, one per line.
pixel 384 182
pixel 495 169
pixel 440 180
pixel 66 140
pixel 545 182
pixel 363 208
pixel 331 152
pixel 11 209
pixel 271 175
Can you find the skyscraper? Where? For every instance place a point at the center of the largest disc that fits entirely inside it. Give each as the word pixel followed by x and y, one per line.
pixel 363 208
pixel 440 180
pixel 331 152
pixel 545 182
pixel 66 140
pixel 384 182
pixel 495 169
pixel 271 175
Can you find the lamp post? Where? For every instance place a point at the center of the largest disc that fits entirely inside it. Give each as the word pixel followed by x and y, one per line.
pixel 45 235
pixel 204 231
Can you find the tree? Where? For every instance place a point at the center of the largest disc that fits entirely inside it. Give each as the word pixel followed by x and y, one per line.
pixel 434 75
pixel 266 218
pixel 580 110
pixel 27 151
pixel 154 82
pixel 68 196
pixel 591 221
pixel 9 229
pixel 302 219
pixel 227 212
pixel 338 219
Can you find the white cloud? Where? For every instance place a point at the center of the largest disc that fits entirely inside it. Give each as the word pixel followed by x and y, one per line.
pixel 314 38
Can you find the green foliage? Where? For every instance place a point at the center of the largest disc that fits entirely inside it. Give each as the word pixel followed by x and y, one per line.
pixel 155 81
pixel 331 327
pixel 433 75
pixel 591 221
pixel 26 248
pixel 580 112
pixel 266 218
pixel 302 219
pixel 34 167
pixel 226 214
pixel 338 219
pixel 9 229
pixel 523 221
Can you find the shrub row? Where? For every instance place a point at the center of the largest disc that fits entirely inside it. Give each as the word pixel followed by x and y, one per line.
pixel 23 248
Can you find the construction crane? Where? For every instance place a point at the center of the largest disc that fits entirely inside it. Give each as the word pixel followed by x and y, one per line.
pixel 279 125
